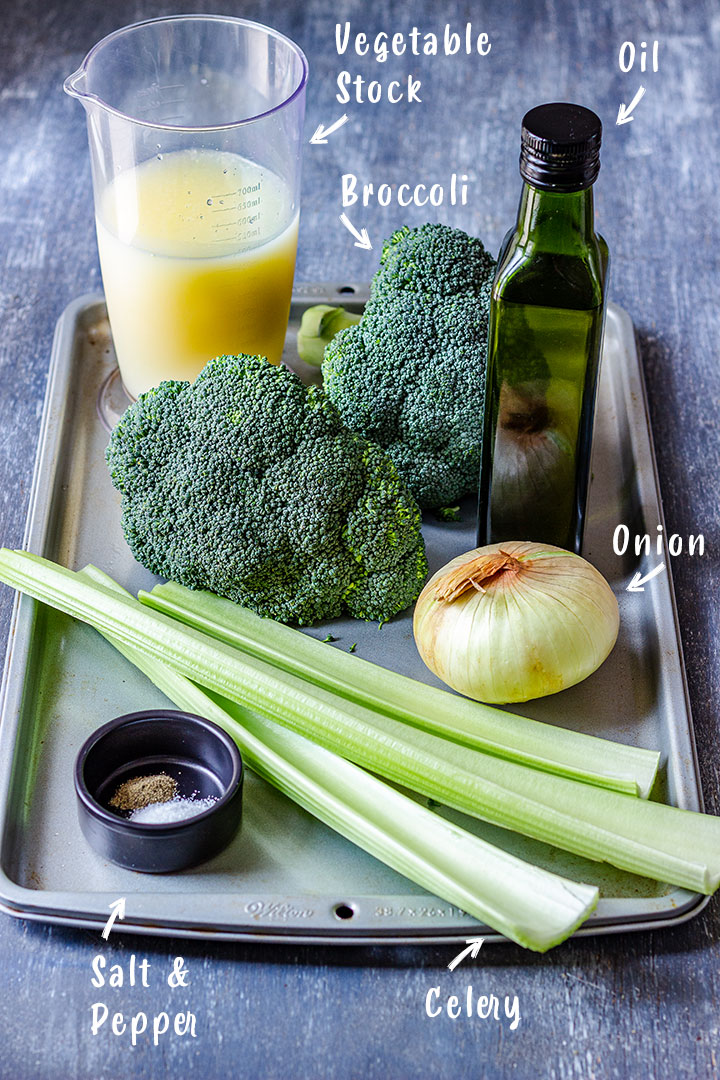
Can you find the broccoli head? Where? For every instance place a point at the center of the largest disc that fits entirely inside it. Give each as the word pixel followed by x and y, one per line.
pixel 411 375
pixel 248 484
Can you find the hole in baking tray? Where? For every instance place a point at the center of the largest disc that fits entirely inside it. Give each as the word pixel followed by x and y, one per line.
pixel 346 289
pixel 343 911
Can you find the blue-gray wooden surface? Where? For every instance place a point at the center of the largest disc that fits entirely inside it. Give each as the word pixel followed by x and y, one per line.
pixel 641 1005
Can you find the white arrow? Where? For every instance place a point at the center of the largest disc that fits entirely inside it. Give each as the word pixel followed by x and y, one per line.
pixel 623 116
pixel 637 583
pixel 362 240
pixel 474 945
pixel 118 912
pixel 321 132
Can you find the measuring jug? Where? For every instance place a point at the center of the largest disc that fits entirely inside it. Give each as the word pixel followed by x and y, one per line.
pixel 195 127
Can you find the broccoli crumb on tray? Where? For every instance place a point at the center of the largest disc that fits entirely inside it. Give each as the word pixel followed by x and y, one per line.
pixel 247 483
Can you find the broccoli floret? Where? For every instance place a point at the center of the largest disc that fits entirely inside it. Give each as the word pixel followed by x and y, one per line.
pixel 411 375
pixel 433 261
pixel 248 484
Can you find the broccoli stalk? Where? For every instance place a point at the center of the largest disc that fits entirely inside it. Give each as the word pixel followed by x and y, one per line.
pixel 320 324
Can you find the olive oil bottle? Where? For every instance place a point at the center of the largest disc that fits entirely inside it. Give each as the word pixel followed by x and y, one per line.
pixel 546 328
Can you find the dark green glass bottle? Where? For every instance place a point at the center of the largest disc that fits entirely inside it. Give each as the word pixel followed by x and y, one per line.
pixel 546 328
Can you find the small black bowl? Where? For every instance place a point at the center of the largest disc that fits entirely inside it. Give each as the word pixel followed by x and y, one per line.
pixel 195 752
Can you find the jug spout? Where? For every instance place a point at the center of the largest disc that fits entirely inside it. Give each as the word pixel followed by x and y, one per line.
pixel 76 84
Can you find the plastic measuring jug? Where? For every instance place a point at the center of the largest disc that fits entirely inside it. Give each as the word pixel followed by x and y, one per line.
pixel 195 128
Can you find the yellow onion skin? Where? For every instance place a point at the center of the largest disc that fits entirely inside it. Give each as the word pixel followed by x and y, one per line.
pixel 531 633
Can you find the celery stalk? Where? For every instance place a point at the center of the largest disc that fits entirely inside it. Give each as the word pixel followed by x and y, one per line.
pixel 517 738
pixel 645 838
pixel 531 906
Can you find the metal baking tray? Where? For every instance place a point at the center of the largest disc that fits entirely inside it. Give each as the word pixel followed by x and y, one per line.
pixel 287 877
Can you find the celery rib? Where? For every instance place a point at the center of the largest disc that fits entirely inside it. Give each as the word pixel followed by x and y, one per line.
pixel 517 738
pixel 533 907
pixel 643 837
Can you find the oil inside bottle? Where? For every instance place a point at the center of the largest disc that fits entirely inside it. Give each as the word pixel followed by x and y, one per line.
pixel 541 391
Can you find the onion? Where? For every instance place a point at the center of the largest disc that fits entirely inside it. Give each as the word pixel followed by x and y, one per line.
pixel 514 621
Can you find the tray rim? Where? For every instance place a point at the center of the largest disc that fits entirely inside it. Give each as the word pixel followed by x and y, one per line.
pixel 17 901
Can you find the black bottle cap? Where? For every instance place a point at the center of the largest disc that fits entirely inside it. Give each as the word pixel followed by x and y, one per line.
pixel 560 147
